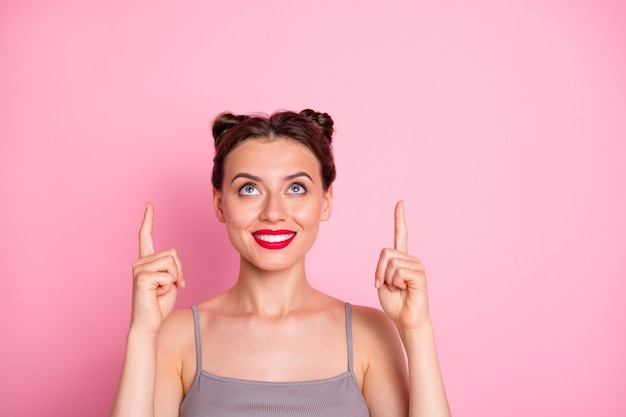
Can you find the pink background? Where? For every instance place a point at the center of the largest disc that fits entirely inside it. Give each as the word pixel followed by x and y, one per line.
pixel 503 127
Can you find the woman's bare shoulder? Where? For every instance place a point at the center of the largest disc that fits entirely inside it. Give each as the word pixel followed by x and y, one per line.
pixel 371 320
pixel 179 317
pixel 374 332
pixel 177 331
pixel 379 357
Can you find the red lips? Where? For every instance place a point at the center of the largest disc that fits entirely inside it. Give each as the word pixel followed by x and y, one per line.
pixel 273 239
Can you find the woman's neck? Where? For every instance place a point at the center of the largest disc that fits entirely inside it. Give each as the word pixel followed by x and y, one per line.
pixel 271 293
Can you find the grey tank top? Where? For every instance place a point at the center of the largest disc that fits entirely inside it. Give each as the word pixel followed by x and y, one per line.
pixel 215 396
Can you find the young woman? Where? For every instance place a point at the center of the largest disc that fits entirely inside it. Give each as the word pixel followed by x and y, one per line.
pixel 272 345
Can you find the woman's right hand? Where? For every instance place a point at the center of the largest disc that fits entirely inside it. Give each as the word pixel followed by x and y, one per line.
pixel 156 278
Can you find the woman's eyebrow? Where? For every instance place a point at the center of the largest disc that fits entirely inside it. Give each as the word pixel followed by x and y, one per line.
pixel 298 174
pixel 246 175
pixel 258 179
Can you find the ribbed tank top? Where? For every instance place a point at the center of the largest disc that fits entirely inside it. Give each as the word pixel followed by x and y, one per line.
pixel 215 396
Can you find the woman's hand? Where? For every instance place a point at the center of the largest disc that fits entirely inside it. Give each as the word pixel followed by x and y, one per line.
pixel 401 280
pixel 156 277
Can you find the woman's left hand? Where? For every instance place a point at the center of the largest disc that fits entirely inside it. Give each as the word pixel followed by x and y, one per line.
pixel 401 280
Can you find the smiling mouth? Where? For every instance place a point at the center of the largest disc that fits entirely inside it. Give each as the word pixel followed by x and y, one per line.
pixel 274 239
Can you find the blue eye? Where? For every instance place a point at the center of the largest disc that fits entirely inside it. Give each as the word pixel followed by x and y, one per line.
pixel 296 188
pixel 249 189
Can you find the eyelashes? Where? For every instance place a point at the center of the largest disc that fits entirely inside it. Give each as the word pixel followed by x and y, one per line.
pixel 297 188
pixel 251 189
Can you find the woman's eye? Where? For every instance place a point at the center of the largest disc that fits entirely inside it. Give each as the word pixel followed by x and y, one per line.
pixel 297 189
pixel 248 189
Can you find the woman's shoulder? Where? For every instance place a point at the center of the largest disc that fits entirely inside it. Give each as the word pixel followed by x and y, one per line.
pixel 379 355
pixel 373 331
pixel 177 331
pixel 370 318
pixel 180 317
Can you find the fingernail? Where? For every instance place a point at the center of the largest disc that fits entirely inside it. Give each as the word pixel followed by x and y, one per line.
pixel 377 283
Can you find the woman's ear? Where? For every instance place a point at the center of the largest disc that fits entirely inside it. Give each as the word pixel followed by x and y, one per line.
pixel 217 205
pixel 328 203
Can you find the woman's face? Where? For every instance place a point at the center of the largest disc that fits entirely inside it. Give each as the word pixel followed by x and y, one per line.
pixel 272 201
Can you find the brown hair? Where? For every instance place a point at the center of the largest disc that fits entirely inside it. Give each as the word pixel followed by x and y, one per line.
pixel 310 128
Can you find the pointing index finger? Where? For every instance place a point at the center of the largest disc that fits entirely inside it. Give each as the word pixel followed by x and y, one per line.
pixel 146 245
pixel 400 231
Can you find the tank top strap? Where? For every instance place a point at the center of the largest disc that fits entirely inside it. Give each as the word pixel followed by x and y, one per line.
pixel 196 326
pixel 349 335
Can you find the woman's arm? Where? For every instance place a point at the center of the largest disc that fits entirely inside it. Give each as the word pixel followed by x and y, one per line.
pixel 426 391
pixel 135 393
pixel 156 277
pixel 401 284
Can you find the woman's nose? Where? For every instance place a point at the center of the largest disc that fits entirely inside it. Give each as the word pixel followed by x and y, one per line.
pixel 273 208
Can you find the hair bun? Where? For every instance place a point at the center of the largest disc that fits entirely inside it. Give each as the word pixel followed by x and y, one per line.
pixel 223 122
pixel 322 121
